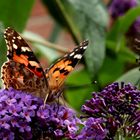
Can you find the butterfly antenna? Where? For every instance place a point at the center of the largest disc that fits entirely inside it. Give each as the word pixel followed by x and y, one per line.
pixel 45 100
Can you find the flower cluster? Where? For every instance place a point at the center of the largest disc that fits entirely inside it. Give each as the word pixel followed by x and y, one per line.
pixel 120 7
pixel 25 117
pixel 113 111
pixel 93 129
pixel 118 107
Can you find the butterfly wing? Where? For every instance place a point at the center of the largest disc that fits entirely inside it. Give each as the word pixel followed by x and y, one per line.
pixel 19 51
pixel 22 71
pixel 58 72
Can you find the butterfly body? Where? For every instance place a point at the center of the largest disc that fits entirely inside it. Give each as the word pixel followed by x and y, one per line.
pixel 23 71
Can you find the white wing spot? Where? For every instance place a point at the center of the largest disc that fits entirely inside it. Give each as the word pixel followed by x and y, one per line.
pixel 85 47
pixel 78 56
pixel 6 41
pixel 15 46
pixel 24 49
pixel 19 37
pixel 72 54
pixel 5 36
pixel 13 40
pixel 33 63
pixel 14 37
pixel 8 52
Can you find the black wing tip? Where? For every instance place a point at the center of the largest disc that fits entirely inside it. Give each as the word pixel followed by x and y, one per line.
pixel 8 30
pixel 84 43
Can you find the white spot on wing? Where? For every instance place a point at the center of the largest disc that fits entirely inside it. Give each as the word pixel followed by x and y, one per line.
pixel 78 56
pixel 4 35
pixel 33 63
pixel 6 41
pixel 15 46
pixel 24 49
pixel 19 37
pixel 71 54
pixel 84 47
pixel 8 52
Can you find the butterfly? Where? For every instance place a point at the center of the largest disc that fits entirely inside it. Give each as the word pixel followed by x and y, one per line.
pixel 23 71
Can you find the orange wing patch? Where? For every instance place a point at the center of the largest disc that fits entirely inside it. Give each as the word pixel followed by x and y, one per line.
pixel 58 73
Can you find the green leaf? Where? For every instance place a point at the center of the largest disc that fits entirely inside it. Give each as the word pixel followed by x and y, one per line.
pixel 124 52
pixel 122 25
pixel 91 18
pixel 132 76
pixel 61 10
pixel 2 49
pixel 2 46
pixel 15 13
pixel 112 69
pixel 80 89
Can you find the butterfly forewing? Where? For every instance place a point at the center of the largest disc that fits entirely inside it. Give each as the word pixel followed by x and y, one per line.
pixel 22 71
pixel 59 71
pixel 19 51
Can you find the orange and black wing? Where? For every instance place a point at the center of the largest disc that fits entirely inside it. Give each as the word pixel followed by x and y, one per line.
pixel 22 71
pixel 59 71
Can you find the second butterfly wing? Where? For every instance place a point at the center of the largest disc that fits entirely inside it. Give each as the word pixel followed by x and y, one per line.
pixel 59 71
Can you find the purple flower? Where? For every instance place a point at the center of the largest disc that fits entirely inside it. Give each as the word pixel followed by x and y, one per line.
pixel 4 122
pixel 119 8
pixel 6 135
pixel 23 116
pixel 93 129
pixel 118 107
pixel 56 120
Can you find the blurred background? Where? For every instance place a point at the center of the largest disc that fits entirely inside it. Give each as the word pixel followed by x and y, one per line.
pixel 53 28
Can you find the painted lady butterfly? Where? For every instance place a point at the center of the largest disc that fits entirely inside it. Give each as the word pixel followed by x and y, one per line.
pixel 23 71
